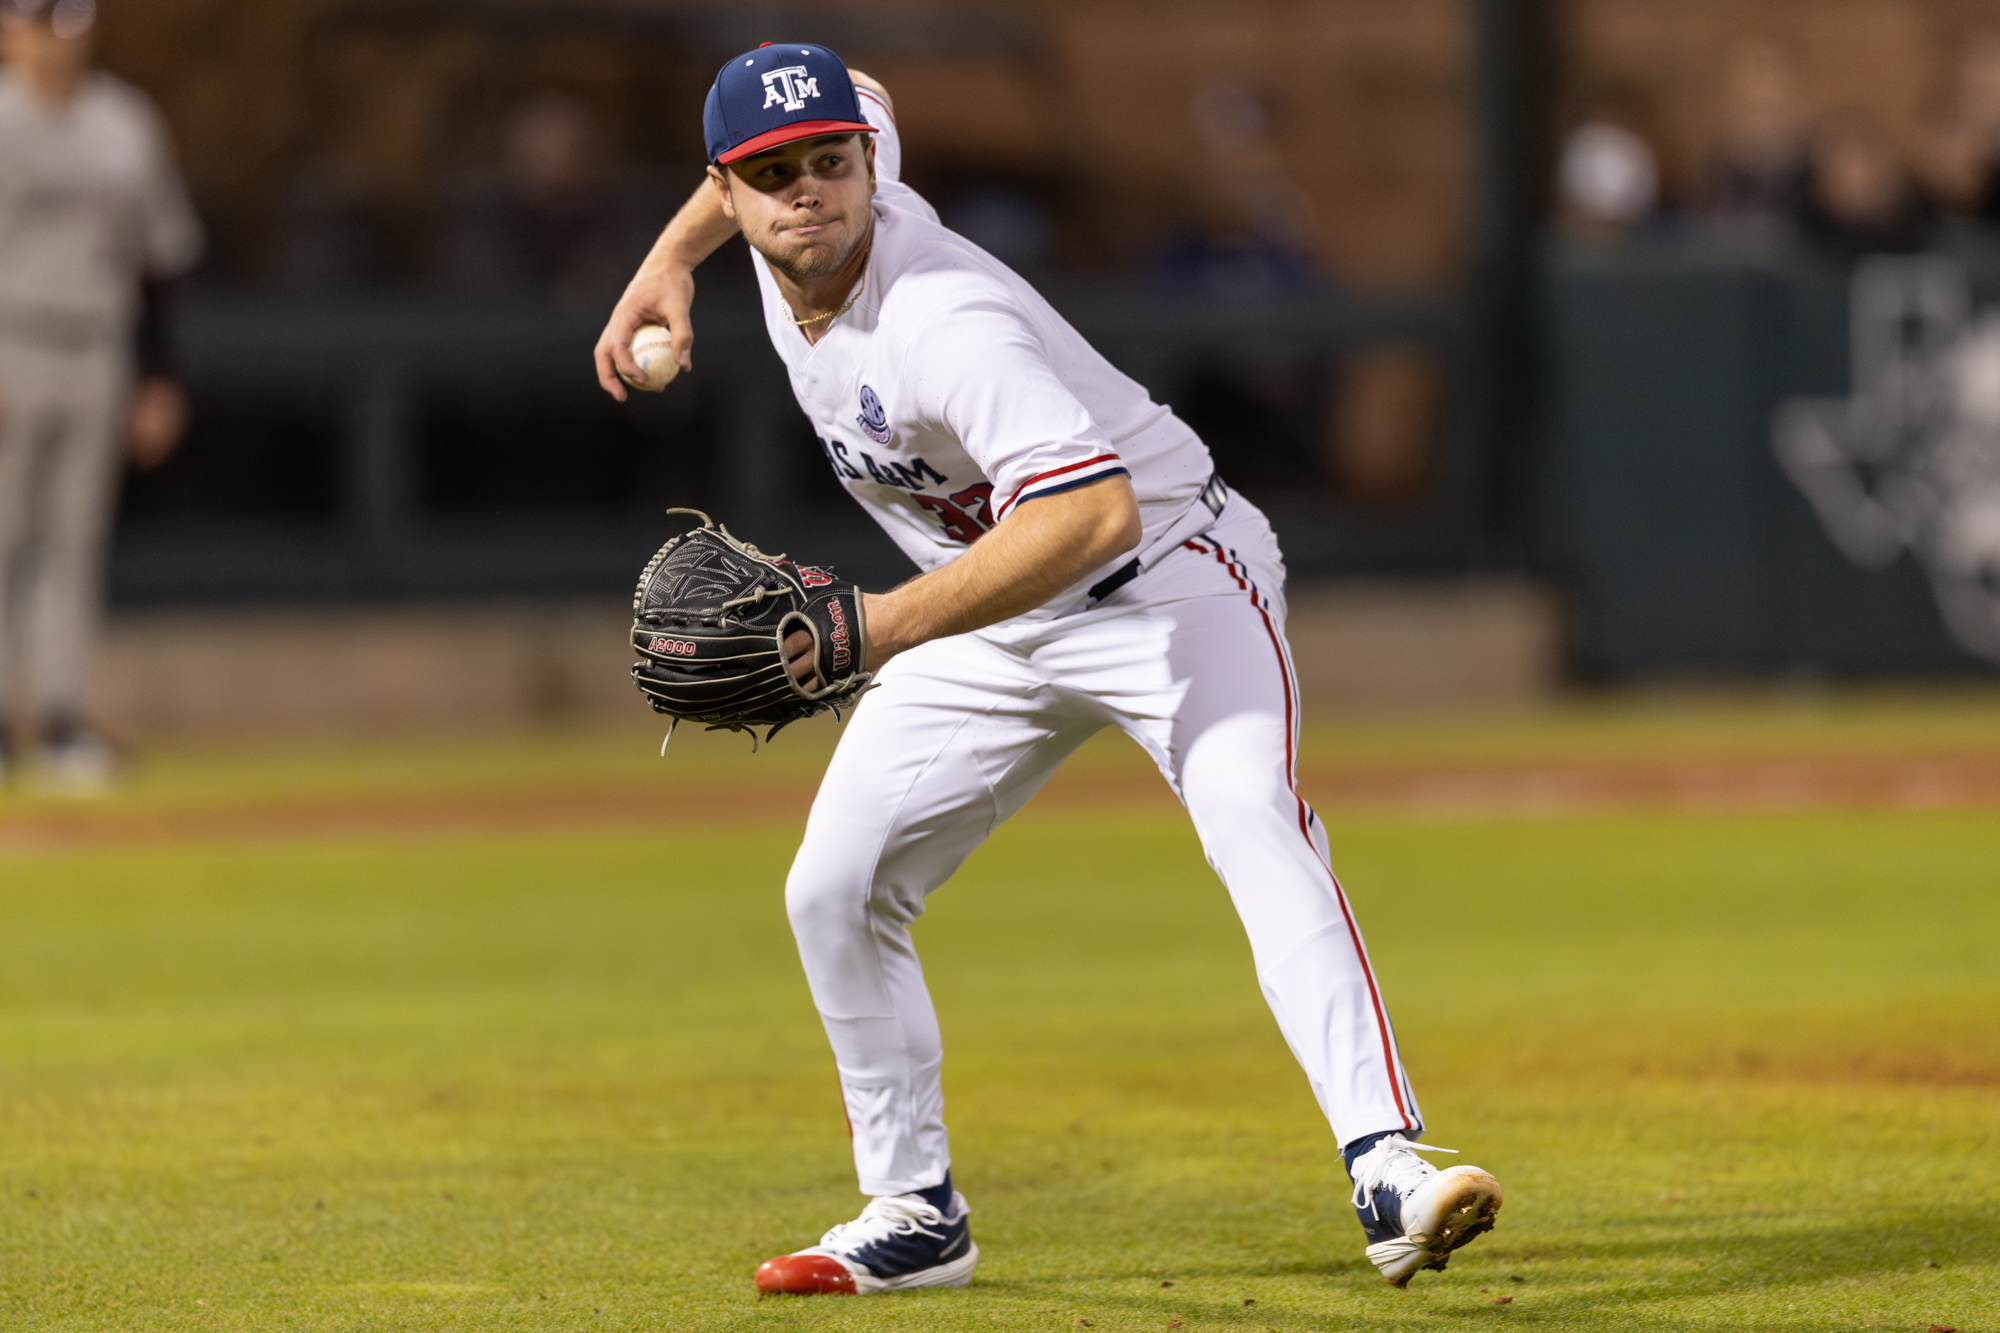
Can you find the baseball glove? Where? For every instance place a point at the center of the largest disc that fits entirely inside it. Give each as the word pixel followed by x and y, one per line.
pixel 710 619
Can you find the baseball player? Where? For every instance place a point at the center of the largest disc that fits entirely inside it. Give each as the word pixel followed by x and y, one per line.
pixel 90 207
pixel 1084 568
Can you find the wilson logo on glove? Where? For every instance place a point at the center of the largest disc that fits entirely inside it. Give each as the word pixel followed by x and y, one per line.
pixel 841 655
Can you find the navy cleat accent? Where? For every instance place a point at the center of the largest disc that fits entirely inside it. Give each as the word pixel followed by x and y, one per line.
pixel 899 1242
pixel 1415 1215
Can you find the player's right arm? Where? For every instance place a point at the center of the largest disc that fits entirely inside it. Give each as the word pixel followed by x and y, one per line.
pixel 866 84
pixel 662 291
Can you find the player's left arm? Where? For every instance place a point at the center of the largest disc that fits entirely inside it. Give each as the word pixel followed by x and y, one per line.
pixel 1045 545
pixel 170 237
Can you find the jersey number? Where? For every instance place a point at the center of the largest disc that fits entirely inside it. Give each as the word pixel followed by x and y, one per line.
pixel 964 515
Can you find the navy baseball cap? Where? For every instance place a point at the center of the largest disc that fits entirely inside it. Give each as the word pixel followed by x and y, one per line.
pixel 775 94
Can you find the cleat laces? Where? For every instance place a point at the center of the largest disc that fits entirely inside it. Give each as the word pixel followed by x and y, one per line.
pixel 885 1216
pixel 1392 1162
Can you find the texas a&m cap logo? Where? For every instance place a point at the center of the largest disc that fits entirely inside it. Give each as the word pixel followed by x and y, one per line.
pixel 775 94
pixel 789 88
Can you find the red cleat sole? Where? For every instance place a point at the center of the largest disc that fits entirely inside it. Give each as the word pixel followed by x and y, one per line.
pixel 805 1275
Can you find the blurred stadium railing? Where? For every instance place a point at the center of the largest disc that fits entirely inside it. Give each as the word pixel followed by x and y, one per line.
pixel 399 446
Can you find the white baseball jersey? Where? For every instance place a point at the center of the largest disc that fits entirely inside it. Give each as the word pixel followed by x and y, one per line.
pixel 90 202
pixel 949 395
pixel 952 392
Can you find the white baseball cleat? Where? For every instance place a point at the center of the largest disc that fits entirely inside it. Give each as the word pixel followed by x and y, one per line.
pixel 75 761
pixel 899 1242
pixel 1414 1214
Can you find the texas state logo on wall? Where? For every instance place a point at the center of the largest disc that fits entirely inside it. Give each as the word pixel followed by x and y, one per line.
pixel 1910 460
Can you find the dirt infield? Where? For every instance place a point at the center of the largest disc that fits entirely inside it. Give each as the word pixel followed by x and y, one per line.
pixel 1731 785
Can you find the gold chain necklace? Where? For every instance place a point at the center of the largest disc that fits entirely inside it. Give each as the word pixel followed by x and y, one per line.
pixel 859 283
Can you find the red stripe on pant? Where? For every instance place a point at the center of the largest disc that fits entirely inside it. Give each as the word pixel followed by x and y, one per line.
pixel 1305 827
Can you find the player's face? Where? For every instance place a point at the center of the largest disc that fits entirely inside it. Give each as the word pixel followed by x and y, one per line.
pixel 32 46
pixel 803 205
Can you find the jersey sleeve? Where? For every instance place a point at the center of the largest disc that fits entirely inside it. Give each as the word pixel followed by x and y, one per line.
pixel 169 232
pixel 889 185
pixel 982 374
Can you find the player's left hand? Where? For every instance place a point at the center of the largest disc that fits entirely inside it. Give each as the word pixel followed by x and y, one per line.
pixel 713 615
pixel 156 422
pixel 799 659
pixel 878 613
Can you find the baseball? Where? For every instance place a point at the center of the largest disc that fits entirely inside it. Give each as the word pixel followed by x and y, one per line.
pixel 652 348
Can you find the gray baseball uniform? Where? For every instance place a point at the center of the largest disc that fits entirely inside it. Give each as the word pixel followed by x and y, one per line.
pixel 90 203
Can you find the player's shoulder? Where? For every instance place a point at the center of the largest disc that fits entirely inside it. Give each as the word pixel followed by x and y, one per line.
pixel 932 274
pixel 15 98
pixel 107 89
pixel 107 95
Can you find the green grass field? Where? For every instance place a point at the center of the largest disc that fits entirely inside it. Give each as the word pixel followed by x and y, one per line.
pixel 1736 1072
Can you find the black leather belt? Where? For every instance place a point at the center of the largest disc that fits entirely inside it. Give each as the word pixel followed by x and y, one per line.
pixel 1214 494
pixel 1115 580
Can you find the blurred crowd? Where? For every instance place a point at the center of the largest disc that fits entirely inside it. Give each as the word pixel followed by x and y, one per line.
pixel 548 208
pixel 550 203
pixel 1776 163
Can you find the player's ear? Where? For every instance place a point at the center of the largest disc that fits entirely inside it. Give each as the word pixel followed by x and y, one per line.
pixel 720 180
pixel 869 155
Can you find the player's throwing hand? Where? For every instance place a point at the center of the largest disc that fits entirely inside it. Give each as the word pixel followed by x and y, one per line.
pixel 662 291
pixel 656 295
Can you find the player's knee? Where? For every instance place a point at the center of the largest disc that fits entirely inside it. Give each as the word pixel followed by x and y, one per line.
pixel 821 900
pixel 1237 773
pixel 1239 806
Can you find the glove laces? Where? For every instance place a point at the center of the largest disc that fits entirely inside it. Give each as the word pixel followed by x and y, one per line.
pixel 1389 1163
pixel 886 1215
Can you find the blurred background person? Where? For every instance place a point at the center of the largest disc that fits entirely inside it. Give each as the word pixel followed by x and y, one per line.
pixel 1962 171
pixel 1760 170
pixel 1254 237
pixel 1243 236
pixel 1607 175
pixel 1860 199
pixel 556 214
pixel 92 210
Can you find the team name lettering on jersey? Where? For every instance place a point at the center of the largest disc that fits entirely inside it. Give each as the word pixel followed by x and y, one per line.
pixel 836 454
pixel 965 517
pixel 906 476
pixel 911 476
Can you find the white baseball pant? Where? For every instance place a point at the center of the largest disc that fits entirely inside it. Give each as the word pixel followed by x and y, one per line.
pixel 1190 661
pixel 61 414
